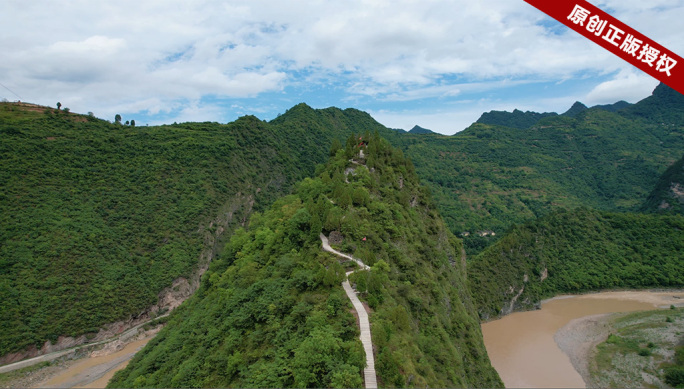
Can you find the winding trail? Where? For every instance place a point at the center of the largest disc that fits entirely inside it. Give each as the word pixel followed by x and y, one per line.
pixel 364 325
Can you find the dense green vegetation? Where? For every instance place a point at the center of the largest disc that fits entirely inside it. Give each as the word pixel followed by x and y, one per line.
pixel 575 110
pixel 645 349
pixel 674 374
pixel 668 194
pixel 97 218
pixel 577 251
pixel 490 177
pixel 663 107
pixel 613 107
pixel 271 311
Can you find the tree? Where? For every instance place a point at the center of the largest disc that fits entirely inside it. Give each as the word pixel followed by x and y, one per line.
pixel 117 119
pixel 132 123
pixel 336 145
pixel 127 122
pixel 59 105
pixel 66 109
pixel 315 358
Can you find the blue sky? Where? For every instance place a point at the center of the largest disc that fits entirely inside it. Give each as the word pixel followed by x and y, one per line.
pixel 434 63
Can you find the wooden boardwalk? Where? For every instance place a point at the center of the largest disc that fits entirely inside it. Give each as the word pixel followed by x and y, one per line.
pixel 369 376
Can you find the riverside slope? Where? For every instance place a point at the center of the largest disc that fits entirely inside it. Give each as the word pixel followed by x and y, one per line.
pixel 369 376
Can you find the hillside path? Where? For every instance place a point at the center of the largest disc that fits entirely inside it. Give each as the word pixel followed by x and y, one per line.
pixel 364 325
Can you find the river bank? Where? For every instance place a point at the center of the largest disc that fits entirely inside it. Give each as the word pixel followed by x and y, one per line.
pixel 96 371
pixel 524 346
pixel 579 338
pixel 91 370
pixel 639 344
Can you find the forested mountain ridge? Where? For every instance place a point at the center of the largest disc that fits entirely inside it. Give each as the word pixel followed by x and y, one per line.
pixel 99 218
pixel 516 119
pixel 577 251
pixel 489 177
pixel 271 311
pixel 522 120
pixel 664 107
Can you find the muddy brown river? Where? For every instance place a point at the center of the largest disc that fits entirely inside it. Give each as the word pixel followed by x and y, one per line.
pixel 95 372
pixel 521 346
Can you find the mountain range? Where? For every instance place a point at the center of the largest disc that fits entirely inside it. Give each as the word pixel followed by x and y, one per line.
pixel 107 225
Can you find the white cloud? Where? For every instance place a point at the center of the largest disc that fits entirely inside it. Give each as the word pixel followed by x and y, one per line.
pixel 156 54
pixel 628 85
pixel 95 45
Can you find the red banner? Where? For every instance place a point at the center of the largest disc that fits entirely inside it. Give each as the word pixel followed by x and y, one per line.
pixel 618 38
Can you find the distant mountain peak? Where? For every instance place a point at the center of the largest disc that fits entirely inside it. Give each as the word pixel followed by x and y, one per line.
pixel 576 108
pixel 613 107
pixel 420 130
pixel 516 119
pixel 663 90
pixel 665 106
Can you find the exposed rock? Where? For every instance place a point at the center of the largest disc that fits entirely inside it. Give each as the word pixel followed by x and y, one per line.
pixel 677 190
pixel 347 172
pixel 511 307
pixel 664 205
pixel 336 238
pixel 544 274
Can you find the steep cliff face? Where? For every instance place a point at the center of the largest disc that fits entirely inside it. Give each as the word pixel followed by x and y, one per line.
pixel 271 310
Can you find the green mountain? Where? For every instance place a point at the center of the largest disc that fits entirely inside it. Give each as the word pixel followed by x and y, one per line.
pixel 613 107
pixel 420 130
pixel 516 119
pixel 101 221
pixel 578 107
pixel 577 251
pixel 575 109
pixel 488 178
pixel 663 107
pixel 272 312
pixel 668 194
pixel 97 219
pixel 522 120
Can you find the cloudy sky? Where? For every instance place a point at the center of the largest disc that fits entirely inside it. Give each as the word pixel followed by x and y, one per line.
pixel 435 63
